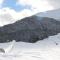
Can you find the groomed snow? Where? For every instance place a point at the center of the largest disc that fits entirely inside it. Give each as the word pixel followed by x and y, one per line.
pixel 47 49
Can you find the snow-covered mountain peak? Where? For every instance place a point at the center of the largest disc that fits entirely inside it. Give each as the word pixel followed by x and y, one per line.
pixel 52 14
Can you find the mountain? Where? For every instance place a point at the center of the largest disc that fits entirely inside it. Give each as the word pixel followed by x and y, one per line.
pixel 51 14
pixel 30 29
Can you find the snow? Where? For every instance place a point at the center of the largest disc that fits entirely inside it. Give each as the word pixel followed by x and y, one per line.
pixel 47 49
pixel 51 14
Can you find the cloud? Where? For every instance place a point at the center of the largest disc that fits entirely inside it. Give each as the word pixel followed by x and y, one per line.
pixel 5 17
pixel 36 5
pixel 1 2
pixel 54 3
pixel 8 15
pixel 16 15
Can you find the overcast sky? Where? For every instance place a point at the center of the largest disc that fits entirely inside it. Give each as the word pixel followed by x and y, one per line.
pixel 54 3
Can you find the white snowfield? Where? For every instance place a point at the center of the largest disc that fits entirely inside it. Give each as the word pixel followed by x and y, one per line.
pixel 47 49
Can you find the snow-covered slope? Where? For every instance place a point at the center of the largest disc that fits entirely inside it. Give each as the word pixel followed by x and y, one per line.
pixel 52 14
pixel 47 49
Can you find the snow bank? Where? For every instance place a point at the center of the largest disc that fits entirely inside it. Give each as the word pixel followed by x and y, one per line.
pixel 47 49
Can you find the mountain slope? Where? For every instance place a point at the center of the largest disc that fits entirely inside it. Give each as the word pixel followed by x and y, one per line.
pixel 30 29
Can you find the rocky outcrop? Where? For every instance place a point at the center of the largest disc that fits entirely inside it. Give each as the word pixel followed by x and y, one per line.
pixel 30 29
pixel 2 50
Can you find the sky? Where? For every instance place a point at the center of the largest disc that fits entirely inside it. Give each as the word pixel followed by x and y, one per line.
pixel 12 5
pixel 22 8
pixel 19 5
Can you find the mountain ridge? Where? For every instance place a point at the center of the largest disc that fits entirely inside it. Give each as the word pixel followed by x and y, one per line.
pixel 30 29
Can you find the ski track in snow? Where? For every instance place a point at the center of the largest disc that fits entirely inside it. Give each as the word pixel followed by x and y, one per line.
pixel 47 49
